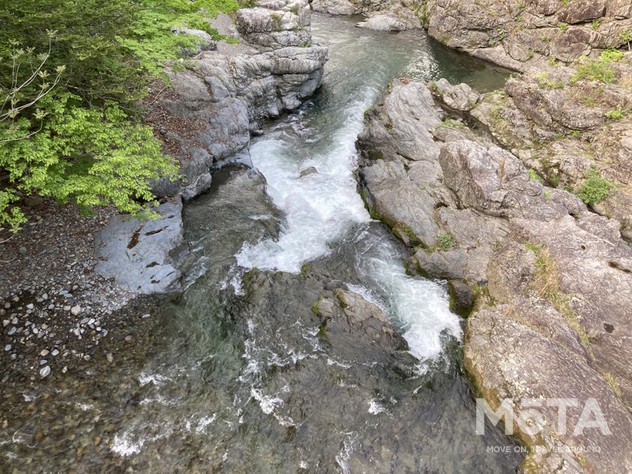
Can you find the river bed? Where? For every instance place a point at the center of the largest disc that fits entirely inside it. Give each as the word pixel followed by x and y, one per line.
pixel 237 375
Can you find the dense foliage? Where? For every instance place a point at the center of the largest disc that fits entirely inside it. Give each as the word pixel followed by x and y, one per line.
pixel 72 73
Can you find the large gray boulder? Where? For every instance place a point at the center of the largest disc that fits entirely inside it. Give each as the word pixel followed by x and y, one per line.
pixel 136 253
pixel 345 314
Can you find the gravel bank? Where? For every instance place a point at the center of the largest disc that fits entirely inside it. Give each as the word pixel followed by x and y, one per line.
pixel 56 313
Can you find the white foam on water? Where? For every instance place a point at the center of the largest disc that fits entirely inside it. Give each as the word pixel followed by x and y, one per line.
pixel 375 408
pixel 204 422
pixel 342 458
pixel 322 208
pixel 420 307
pixel 319 208
pixel 268 404
pixel 155 379
pixel 124 446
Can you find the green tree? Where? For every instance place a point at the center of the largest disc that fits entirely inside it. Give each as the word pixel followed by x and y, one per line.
pixel 86 43
pixel 70 122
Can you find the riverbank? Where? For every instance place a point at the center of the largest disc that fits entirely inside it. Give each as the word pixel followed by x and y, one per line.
pixel 67 280
pixel 57 313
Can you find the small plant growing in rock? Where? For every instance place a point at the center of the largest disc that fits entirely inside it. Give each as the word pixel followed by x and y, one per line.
pixel 599 69
pixel 615 114
pixel 627 37
pixel 276 21
pixel 546 284
pixel 534 176
pixel 563 26
pixel 545 81
pixel 596 24
pixel 595 188
pixel 445 242
pixel 451 123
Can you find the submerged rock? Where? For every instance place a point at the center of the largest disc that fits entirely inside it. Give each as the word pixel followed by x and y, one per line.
pixel 308 171
pixel 346 316
pixel 383 23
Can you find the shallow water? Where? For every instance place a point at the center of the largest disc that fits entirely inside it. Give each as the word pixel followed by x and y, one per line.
pixel 240 377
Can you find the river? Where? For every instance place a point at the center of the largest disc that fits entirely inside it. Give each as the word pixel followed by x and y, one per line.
pixel 241 377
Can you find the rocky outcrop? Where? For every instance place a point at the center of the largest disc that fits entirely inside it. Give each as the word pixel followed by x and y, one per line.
pixel 546 278
pixel 572 126
pixel 523 35
pixel 382 15
pixel 213 106
pixel 345 313
pixel 136 253
pixel 220 98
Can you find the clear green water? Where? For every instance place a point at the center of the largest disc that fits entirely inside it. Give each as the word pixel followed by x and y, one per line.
pixel 235 376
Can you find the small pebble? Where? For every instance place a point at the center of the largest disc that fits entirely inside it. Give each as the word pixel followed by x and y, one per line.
pixel 55 352
pixel 75 310
pixel 44 352
pixel 45 371
pixel 8 348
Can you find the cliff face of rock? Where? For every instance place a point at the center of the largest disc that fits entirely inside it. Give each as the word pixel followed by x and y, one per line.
pixel 522 34
pixel 221 96
pixel 519 34
pixel 547 278
pixel 213 106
